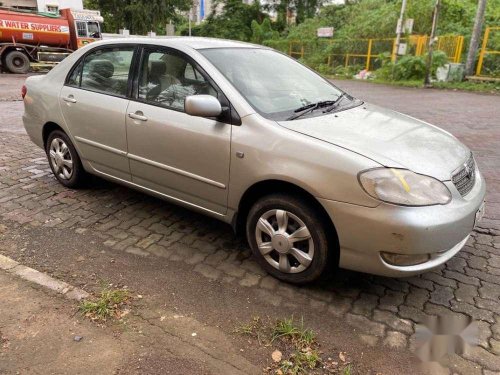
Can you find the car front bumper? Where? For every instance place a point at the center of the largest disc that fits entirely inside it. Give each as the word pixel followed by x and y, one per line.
pixel 440 231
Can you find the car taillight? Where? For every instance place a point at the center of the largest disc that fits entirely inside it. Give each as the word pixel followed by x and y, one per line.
pixel 24 91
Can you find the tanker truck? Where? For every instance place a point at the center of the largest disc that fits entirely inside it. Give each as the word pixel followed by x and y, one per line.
pixel 32 38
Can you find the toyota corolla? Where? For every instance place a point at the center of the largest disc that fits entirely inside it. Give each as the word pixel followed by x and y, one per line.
pixel 314 177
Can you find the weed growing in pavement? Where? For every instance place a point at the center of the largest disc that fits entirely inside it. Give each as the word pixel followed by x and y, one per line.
pixel 286 328
pixel 301 362
pixel 249 328
pixel 254 328
pixel 296 348
pixel 110 303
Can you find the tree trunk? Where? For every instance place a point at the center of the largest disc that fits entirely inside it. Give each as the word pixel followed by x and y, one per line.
pixel 428 66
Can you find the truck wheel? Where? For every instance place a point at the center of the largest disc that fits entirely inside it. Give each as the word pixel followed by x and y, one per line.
pixel 17 62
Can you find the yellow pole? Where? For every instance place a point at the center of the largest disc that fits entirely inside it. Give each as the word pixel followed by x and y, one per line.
pixel 302 51
pixel 393 56
pixel 458 48
pixel 369 54
pixel 483 51
pixel 346 59
pixel 461 48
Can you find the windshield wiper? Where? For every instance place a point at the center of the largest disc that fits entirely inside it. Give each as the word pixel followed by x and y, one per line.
pixel 308 108
pixel 333 106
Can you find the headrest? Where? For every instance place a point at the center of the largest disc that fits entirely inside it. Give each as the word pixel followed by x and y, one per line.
pixel 104 68
pixel 175 65
pixel 157 68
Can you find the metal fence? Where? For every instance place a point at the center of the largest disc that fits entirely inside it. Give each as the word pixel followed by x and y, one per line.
pixel 488 63
pixel 365 52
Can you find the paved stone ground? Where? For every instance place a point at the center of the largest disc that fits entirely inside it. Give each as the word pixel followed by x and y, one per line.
pixel 383 311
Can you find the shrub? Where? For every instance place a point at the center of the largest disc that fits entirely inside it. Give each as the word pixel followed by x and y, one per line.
pixel 408 67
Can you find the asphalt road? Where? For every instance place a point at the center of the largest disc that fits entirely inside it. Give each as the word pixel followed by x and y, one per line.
pixel 194 265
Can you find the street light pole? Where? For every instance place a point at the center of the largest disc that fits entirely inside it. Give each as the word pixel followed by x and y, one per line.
pixel 399 29
pixel 474 39
pixel 428 66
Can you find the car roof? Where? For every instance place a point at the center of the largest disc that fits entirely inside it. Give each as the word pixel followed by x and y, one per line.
pixel 177 41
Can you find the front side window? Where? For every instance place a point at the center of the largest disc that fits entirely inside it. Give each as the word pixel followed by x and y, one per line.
pixel 93 29
pixel 274 84
pixel 107 70
pixel 166 79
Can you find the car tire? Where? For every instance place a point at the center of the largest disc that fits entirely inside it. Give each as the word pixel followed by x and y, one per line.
pixel 297 257
pixel 64 160
pixel 17 62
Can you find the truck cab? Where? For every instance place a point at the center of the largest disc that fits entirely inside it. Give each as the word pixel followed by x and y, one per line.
pixel 85 26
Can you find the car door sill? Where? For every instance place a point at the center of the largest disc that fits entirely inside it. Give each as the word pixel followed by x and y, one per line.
pixel 159 194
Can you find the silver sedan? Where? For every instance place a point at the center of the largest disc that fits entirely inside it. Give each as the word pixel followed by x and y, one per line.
pixel 314 177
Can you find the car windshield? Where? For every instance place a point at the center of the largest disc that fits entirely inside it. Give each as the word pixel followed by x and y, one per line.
pixel 274 84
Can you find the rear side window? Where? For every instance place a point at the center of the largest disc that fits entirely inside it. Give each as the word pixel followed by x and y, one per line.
pixel 76 75
pixel 105 70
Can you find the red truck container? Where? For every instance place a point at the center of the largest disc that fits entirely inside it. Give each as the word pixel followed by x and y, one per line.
pixel 27 37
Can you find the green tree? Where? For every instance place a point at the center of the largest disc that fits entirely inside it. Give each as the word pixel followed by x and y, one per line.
pixel 234 21
pixel 139 16
pixel 263 31
pixel 302 9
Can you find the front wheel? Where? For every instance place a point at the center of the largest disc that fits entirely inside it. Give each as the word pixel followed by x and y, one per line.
pixel 288 238
pixel 64 160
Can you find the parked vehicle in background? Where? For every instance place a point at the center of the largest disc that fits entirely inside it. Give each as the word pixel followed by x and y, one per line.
pixel 240 132
pixel 44 38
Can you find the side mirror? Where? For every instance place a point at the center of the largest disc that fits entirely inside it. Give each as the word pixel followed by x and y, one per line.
pixel 202 106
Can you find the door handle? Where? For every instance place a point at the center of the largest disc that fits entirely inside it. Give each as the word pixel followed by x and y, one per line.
pixel 138 116
pixel 69 99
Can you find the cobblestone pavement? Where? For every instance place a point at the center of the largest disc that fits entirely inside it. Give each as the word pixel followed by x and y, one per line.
pixel 384 311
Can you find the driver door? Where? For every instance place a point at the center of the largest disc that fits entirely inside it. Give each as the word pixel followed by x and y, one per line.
pixel 181 156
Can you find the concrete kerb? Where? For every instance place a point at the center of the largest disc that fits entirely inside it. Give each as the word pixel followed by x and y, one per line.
pixel 29 274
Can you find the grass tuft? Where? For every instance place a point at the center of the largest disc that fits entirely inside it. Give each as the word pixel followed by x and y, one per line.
pixel 109 304
pixel 297 343
pixel 301 362
pixel 288 329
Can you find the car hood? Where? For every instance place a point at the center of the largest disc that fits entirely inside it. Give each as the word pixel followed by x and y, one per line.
pixel 389 138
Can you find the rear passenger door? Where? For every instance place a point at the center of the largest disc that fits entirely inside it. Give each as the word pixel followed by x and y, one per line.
pixel 94 102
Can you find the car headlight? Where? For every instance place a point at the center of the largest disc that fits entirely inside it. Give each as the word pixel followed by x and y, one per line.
pixel 404 187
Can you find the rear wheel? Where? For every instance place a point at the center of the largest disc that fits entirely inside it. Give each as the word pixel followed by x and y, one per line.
pixel 17 62
pixel 64 160
pixel 288 238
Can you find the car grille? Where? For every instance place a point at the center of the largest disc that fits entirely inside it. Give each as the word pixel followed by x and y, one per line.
pixel 465 177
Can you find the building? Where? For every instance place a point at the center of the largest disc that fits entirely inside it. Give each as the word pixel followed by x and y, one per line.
pixel 202 9
pixel 43 5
